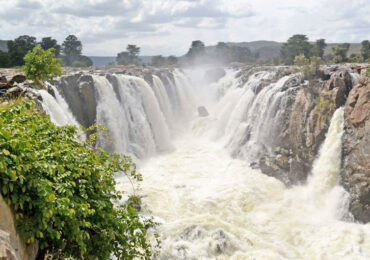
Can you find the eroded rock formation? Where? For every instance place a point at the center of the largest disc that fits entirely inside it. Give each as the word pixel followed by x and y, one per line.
pixel 356 149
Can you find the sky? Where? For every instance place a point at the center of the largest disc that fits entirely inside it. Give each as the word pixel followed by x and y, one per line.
pixel 167 27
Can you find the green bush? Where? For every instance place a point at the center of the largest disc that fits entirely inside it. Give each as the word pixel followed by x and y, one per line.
pixel 63 191
pixel 368 72
pixel 41 65
pixel 308 67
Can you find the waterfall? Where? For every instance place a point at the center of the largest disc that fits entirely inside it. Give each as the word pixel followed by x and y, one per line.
pixel 326 167
pixel 250 118
pixel 110 114
pixel 197 179
pixel 164 101
pixel 57 108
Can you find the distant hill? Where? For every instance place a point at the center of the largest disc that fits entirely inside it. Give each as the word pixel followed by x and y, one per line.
pixel 3 45
pixel 256 45
pixel 354 48
pixel 101 61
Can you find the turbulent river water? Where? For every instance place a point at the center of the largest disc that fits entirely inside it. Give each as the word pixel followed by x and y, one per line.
pixel 197 179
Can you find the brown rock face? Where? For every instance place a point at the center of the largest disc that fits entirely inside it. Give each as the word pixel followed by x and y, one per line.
pixel 356 150
pixel 12 246
pixel 307 124
pixel 79 92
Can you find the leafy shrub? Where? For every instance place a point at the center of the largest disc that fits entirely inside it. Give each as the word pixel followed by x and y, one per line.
pixel 41 65
pixel 309 68
pixel 368 72
pixel 63 192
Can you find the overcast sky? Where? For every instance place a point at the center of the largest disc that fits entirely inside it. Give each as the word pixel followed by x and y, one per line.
pixel 167 27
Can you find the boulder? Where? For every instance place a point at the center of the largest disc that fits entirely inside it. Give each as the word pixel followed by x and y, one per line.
pixel 202 111
pixel 18 78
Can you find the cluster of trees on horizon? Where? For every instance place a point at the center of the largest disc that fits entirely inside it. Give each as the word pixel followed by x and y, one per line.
pixel 299 45
pixel 70 53
pixel 295 46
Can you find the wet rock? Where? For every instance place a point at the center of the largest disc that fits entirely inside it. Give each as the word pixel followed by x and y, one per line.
pixel 192 233
pixel 202 111
pixel 221 243
pixel 3 79
pixel 356 150
pixel 307 124
pixel 79 92
pixel 19 78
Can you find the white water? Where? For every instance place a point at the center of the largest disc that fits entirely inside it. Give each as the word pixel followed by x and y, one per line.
pixel 57 108
pixel 212 206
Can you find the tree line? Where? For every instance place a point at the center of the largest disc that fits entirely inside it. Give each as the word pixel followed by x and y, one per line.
pixel 299 45
pixel 222 53
pixel 70 52
pixel 131 56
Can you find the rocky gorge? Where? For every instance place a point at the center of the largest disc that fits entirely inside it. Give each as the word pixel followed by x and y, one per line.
pixel 298 120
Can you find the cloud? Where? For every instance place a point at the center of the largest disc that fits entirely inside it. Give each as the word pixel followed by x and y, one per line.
pixel 168 26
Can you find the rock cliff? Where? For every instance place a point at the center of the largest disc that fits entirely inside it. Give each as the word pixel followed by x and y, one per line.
pixel 12 246
pixel 356 150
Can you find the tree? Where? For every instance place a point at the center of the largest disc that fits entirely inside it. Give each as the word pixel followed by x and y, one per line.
pixel 130 56
pixel 71 48
pixel 4 60
pixel 240 54
pixel 301 60
pixel 41 65
pixel 315 64
pixel 123 58
pixel 308 68
pixel 133 51
pixel 355 58
pixel 320 46
pixel 276 60
pixel 226 53
pixel 196 50
pixel 158 60
pixel 365 50
pixel 19 47
pixel 296 45
pixel 83 61
pixel 48 42
pixel 172 60
pixel 340 52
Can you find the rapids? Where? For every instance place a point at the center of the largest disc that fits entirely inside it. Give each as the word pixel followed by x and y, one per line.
pixel 212 206
pixel 197 179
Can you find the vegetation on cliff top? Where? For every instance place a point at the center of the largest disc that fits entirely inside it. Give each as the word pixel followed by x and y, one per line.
pixel 41 65
pixel 63 191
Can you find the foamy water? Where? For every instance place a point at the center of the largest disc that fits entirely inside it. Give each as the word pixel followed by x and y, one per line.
pixel 210 205
pixel 214 207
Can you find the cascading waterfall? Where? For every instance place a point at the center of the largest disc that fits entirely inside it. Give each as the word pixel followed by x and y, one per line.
pixel 326 168
pixel 215 207
pixel 57 108
pixel 212 205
